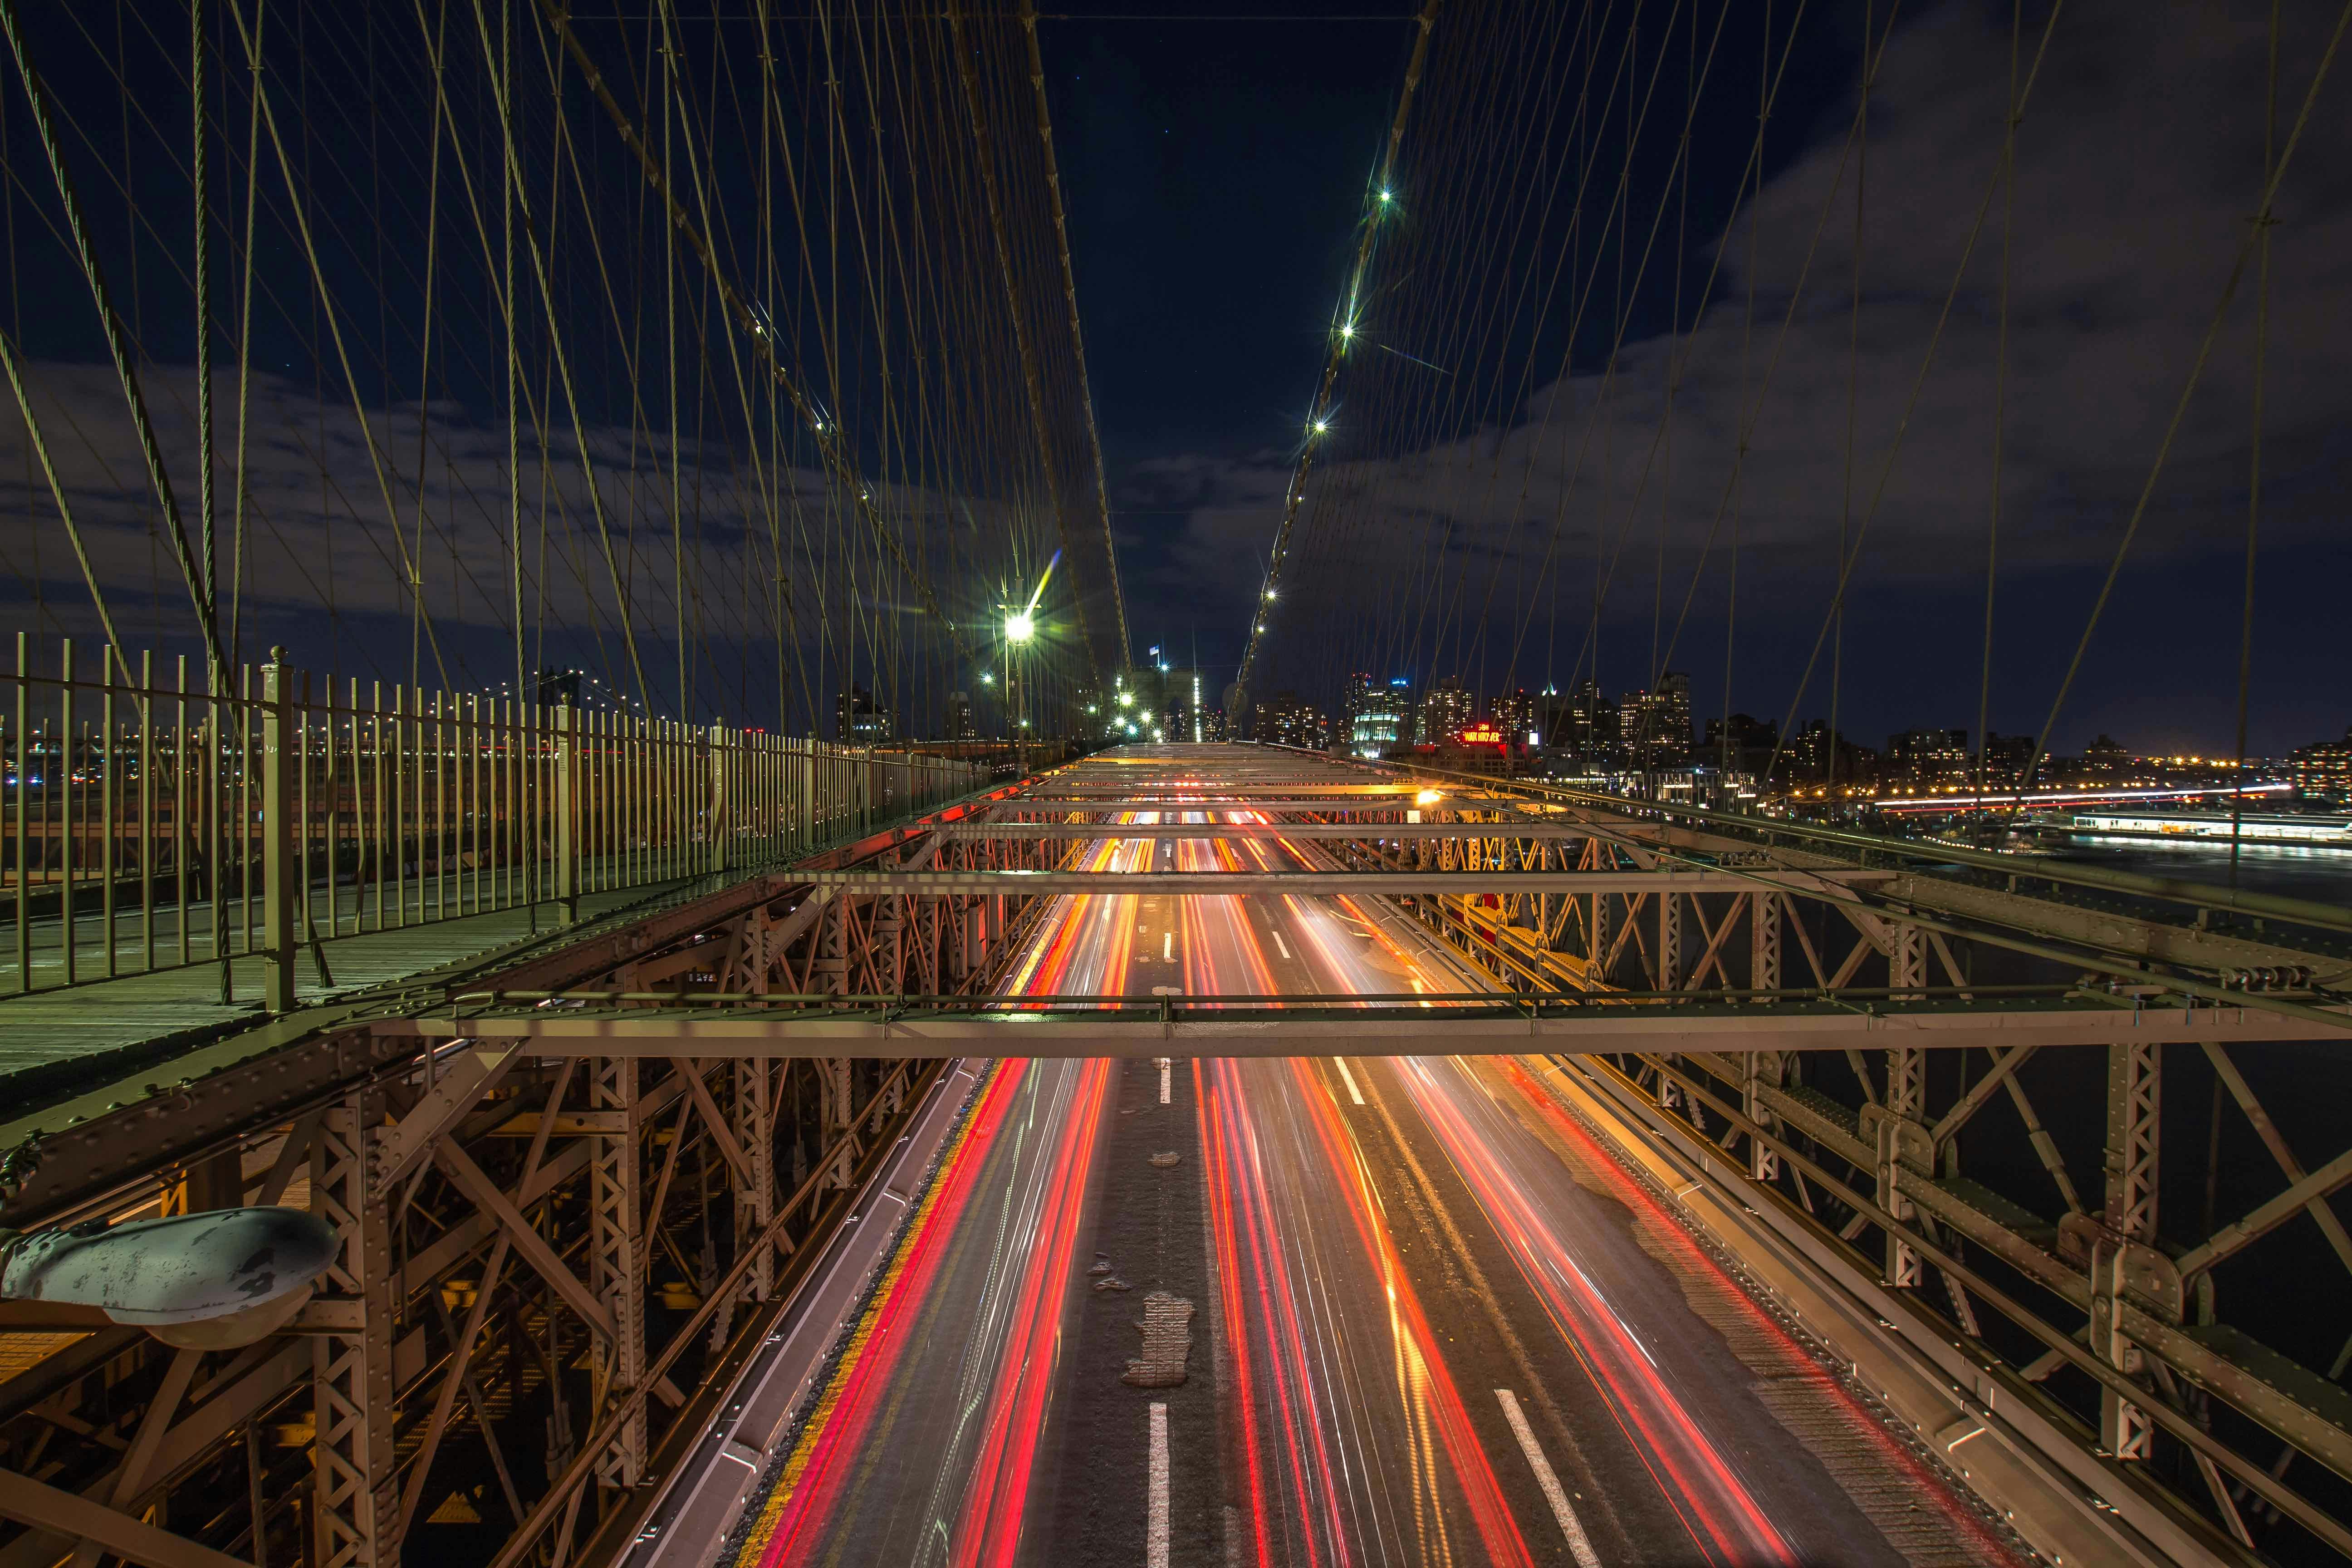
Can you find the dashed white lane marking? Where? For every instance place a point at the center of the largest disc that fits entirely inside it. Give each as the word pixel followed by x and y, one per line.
pixel 1579 1546
pixel 1155 1518
pixel 1168 947
pixel 1165 1064
pixel 1282 945
pixel 1349 1079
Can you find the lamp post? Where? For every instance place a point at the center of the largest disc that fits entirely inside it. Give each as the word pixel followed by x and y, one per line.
pixel 1020 627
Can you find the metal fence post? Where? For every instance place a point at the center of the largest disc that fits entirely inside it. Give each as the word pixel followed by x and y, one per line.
pixel 280 840
pixel 566 813
pixel 722 827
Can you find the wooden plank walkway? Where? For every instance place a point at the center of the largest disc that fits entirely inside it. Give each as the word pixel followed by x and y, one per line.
pixel 54 1038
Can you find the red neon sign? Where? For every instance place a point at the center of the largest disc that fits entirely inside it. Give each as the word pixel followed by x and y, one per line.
pixel 1480 735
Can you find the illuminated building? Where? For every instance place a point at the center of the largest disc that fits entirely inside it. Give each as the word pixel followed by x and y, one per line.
pixel 2323 769
pixel 960 725
pixel 860 720
pixel 2006 758
pixel 1741 745
pixel 1589 727
pixel 2104 761
pixel 1285 721
pixel 1373 718
pixel 1514 715
pixel 1927 760
pixel 1653 728
pixel 1446 707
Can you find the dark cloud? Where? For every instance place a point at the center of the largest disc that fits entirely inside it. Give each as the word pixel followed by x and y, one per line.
pixel 328 563
pixel 2138 164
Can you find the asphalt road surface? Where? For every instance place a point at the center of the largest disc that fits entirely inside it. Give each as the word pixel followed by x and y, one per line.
pixel 1419 1314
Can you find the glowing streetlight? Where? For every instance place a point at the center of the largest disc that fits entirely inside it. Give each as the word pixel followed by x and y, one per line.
pixel 1020 627
pixel 1387 196
pixel 1322 426
pixel 1269 595
pixel 1347 329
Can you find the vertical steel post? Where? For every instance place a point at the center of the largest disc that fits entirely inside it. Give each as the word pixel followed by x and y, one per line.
pixel 717 819
pixel 1670 941
pixel 1764 942
pixel 1907 1103
pixel 755 1198
pixel 103 773
pixel 616 1258
pixel 564 813
pixel 1760 1070
pixel 60 771
pixel 2134 1108
pixel 23 794
pixel 355 1507
pixel 146 701
pixel 278 842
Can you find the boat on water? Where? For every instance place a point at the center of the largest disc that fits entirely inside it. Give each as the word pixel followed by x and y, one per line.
pixel 2298 830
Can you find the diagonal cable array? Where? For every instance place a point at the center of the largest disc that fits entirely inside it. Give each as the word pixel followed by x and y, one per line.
pixel 726 356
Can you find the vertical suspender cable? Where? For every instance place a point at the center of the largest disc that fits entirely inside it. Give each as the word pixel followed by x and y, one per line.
pixel 269 117
pixel 514 367
pixel 207 551
pixel 2263 222
pixel 1123 651
pixel 1852 399
pixel 244 350
pixel 118 345
pixel 65 509
pixel 2000 393
pixel 2188 386
pixel 983 156
pixel 1348 305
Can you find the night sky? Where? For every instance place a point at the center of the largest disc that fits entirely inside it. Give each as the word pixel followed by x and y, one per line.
pixel 1214 172
pixel 1214 165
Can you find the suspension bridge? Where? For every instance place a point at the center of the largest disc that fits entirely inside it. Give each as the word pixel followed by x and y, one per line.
pixel 583 984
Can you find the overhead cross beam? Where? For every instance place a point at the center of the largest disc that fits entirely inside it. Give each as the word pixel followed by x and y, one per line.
pixel 1228 1028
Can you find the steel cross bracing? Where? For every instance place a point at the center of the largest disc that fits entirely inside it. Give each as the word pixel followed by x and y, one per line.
pixel 1734 973
pixel 546 1265
pixel 565 1228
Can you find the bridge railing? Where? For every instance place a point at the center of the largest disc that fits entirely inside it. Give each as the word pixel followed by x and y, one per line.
pixel 147 824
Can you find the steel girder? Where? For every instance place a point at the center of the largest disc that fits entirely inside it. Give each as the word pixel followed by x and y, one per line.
pixel 2149 1298
pixel 463 1185
pixel 451 1318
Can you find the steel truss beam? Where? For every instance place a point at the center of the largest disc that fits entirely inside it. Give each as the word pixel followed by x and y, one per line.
pixel 437 1168
pixel 1225 1029
pixel 1097 831
pixel 1555 884
pixel 1880 1144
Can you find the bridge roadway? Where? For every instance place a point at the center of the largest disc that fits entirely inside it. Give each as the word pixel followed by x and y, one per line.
pixel 1405 1278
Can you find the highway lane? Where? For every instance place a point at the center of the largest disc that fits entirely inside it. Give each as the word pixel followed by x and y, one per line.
pixel 923 1440
pixel 1421 1289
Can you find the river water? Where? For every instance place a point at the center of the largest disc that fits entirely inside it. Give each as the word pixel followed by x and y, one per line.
pixel 2322 875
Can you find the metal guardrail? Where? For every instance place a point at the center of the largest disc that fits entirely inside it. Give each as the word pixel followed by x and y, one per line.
pixel 1855 845
pixel 146 826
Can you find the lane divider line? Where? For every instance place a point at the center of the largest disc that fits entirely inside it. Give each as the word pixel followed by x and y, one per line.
pixel 1579 1545
pixel 1353 1092
pixel 1166 947
pixel 1282 945
pixel 1165 1064
pixel 1155 1517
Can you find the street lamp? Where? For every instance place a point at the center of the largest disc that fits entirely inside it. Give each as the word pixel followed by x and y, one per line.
pixel 1020 628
